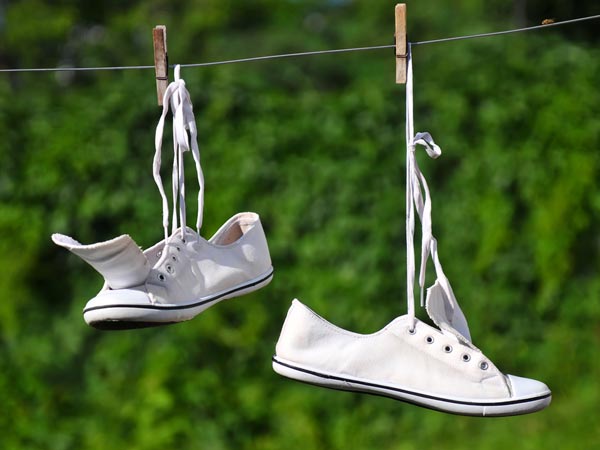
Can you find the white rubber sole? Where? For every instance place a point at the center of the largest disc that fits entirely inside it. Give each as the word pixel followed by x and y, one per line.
pixel 123 317
pixel 467 407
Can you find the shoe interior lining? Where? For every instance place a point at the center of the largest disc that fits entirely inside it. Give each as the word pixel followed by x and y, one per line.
pixel 234 232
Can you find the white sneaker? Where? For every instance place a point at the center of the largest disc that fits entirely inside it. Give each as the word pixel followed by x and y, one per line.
pixel 177 279
pixel 407 360
pixel 438 368
pixel 184 274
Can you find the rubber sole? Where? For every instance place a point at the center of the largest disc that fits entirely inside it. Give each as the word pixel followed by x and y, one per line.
pixel 466 407
pixel 127 317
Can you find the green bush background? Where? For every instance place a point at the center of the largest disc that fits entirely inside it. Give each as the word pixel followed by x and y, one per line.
pixel 315 146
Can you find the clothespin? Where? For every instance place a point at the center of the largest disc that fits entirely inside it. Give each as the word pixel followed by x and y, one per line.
pixel 400 41
pixel 161 63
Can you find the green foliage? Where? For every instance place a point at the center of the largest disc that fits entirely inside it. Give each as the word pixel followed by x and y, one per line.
pixel 315 146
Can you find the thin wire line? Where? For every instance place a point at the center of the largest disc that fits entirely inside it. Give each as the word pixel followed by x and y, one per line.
pixel 497 33
pixel 288 55
pixel 472 36
pixel 319 52
pixel 77 69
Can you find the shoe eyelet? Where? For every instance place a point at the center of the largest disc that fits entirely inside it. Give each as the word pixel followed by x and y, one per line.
pixel 169 268
pixel 159 254
pixel 466 357
pixel 429 339
pixel 178 248
pixel 174 258
pixel 183 240
pixel 412 331
pixel 483 365
pixel 448 348
pixel 161 277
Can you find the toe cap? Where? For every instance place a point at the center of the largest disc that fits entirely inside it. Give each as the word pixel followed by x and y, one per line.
pixel 119 297
pixel 526 387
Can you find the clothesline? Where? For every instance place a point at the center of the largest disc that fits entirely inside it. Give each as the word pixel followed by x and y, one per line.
pixel 318 52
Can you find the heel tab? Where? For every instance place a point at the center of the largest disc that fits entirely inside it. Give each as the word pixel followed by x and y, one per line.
pixel 298 311
pixel 297 305
pixel 295 330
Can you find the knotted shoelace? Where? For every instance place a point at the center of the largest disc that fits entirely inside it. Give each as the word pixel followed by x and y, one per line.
pixel 185 138
pixel 418 197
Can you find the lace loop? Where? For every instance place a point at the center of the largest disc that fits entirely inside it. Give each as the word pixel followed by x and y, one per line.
pixel 427 141
pixel 418 197
pixel 185 138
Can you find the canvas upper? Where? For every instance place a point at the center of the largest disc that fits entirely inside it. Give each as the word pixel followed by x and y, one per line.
pixel 180 271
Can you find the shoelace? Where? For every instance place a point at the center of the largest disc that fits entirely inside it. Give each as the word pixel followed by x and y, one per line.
pixel 178 99
pixel 416 186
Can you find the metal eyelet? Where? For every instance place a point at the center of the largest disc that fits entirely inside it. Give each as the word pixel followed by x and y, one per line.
pixel 178 248
pixel 429 339
pixel 448 348
pixel 466 357
pixel 161 277
pixel 159 254
pixel 483 365
pixel 169 268
pixel 174 258
pixel 412 331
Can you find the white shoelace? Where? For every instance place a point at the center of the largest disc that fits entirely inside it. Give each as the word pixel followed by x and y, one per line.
pixel 178 99
pixel 416 186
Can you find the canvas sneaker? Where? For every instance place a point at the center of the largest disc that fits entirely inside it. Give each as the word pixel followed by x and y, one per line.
pixel 436 367
pixel 183 274
pixel 176 279
pixel 407 360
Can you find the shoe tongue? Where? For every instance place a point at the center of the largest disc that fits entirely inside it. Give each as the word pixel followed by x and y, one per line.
pixel 179 233
pixel 120 261
pixel 443 309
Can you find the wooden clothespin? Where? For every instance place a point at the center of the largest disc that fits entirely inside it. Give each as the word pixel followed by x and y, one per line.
pixel 161 62
pixel 400 39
